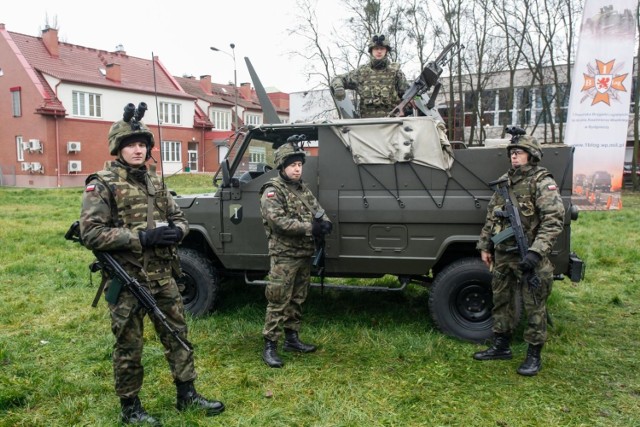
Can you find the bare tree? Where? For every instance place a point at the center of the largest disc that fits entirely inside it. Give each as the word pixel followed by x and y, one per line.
pixel 503 13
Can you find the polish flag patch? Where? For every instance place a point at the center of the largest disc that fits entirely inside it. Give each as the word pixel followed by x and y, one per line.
pixel 90 187
pixel 271 194
pixel 552 187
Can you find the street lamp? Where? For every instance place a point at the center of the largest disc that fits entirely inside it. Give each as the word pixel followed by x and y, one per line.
pixel 235 77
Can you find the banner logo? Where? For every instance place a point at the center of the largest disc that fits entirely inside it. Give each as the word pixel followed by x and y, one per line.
pixel 601 84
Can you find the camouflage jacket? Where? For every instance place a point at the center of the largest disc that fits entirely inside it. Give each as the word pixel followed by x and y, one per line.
pixel 379 85
pixel 286 218
pixel 115 208
pixel 540 206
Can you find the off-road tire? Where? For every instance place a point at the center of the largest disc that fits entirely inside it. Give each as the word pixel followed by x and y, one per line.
pixel 199 283
pixel 460 300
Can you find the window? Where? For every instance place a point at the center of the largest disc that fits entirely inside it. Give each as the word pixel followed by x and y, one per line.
pixel 257 155
pixel 19 148
pixel 504 108
pixel 562 99
pixel 16 102
pixel 170 113
pixel 87 104
pixel 171 151
pixel 253 119
pixel 523 105
pixel 221 119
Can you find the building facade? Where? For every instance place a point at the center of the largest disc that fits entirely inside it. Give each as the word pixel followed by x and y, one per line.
pixel 58 101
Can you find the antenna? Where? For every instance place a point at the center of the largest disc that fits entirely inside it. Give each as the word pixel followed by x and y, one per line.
pixel 155 92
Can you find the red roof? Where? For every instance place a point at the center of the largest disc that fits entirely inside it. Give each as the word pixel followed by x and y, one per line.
pixel 85 65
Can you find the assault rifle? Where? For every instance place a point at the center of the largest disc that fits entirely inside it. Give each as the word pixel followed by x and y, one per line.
pixel 501 186
pixel 109 266
pixel 319 254
pixel 427 79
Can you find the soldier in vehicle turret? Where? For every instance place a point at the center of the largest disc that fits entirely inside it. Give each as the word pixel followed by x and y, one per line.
pixel 379 84
pixel 288 209
pixel 128 212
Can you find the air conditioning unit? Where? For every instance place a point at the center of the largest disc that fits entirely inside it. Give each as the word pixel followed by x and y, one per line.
pixel 37 167
pixel 75 166
pixel 25 166
pixel 35 145
pixel 73 146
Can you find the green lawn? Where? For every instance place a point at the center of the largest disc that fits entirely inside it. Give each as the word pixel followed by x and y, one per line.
pixel 380 361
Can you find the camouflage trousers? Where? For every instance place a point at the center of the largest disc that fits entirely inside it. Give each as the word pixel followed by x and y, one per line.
pixel 286 292
pixel 127 325
pixel 506 282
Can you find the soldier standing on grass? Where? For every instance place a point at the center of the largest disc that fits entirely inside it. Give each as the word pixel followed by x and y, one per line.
pixel 535 193
pixel 127 211
pixel 380 83
pixel 288 208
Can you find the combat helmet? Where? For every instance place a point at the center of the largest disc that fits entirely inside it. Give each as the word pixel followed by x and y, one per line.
pixel 130 126
pixel 379 41
pixel 529 144
pixel 288 153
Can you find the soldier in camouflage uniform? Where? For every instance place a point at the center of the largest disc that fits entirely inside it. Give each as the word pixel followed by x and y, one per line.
pixel 379 84
pixel 288 208
pixel 536 195
pixel 127 211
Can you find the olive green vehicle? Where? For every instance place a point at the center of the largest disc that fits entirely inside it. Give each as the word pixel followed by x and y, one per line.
pixel 403 202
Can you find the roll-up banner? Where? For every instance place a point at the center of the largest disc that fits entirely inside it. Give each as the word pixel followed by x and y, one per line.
pixel 599 103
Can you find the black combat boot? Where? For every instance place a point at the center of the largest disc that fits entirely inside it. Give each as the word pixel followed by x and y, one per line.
pixel 293 343
pixel 499 350
pixel 533 362
pixel 189 398
pixel 270 354
pixel 134 413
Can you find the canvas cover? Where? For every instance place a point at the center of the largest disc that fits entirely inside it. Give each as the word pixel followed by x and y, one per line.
pixel 421 140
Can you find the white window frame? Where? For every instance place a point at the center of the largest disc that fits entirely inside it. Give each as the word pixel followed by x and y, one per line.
pixel 257 155
pixel 87 104
pixel 171 151
pixel 252 119
pixel 221 119
pixel 170 113
pixel 16 102
pixel 19 148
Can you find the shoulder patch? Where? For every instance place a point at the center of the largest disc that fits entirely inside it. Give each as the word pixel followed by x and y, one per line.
pixel 552 187
pixel 90 187
pixel 270 194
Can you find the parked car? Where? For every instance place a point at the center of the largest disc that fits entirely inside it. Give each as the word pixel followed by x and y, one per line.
pixel 600 180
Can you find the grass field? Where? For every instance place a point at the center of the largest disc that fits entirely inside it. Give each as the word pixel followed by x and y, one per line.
pixel 380 361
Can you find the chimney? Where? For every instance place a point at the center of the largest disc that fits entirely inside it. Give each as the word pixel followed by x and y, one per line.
pixel 205 83
pixel 114 73
pixel 245 90
pixel 50 40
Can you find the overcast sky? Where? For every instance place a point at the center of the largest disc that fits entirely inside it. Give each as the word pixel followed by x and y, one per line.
pixel 180 33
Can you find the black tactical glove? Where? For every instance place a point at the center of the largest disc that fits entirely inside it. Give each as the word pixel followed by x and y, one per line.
pixel 316 229
pixel 529 262
pixel 161 236
pixel 326 227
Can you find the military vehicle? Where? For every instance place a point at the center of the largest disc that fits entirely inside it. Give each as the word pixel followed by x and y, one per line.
pixel 403 202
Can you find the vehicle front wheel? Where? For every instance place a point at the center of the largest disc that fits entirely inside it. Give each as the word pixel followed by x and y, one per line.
pixel 199 282
pixel 460 300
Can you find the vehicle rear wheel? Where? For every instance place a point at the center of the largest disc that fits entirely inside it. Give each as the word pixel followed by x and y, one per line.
pixel 460 300
pixel 199 282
